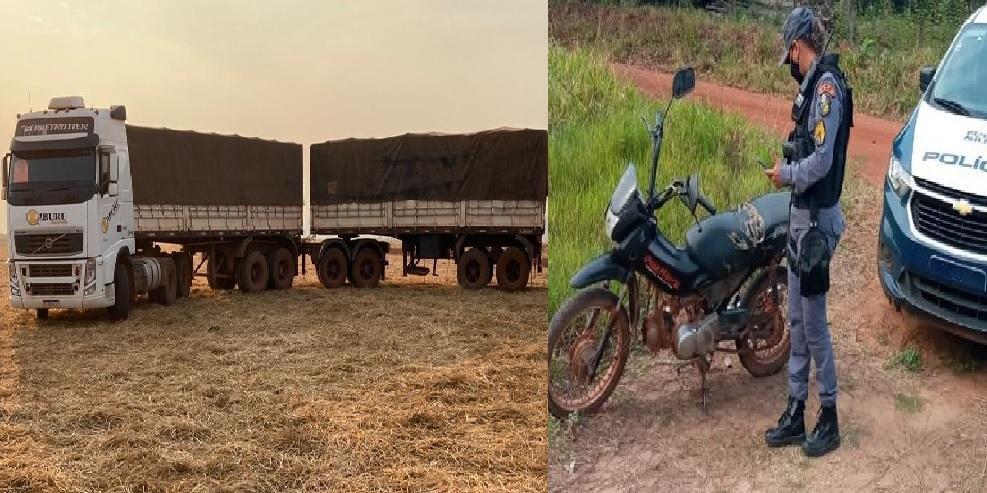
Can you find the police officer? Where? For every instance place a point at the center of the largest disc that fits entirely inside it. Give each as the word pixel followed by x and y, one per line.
pixel 823 115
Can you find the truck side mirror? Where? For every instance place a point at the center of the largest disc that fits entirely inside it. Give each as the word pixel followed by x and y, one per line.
pixel 114 168
pixel 6 175
pixel 113 189
pixel 925 77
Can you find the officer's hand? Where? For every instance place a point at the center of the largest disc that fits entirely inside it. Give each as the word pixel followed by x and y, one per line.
pixel 774 174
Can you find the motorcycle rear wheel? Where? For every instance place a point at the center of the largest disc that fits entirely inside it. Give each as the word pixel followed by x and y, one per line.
pixel 764 357
pixel 573 337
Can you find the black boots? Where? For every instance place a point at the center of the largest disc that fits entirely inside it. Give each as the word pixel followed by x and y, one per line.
pixel 791 426
pixel 825 436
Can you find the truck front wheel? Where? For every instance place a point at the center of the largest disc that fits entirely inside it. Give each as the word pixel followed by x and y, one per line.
pixel 121 289
pixel 252 272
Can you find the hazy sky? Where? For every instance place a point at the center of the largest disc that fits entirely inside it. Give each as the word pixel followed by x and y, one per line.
pixel 301 71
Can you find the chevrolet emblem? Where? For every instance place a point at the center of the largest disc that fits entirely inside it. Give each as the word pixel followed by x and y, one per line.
pixel 963 207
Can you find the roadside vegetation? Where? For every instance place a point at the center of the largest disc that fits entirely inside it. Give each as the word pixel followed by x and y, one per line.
pixel 595 130
pixel 740 48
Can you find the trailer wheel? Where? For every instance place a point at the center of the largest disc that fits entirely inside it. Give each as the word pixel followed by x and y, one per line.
pixel 513 268
pixel 183 267
pixel 367 268
pixel 252 272
pixel 42 314
pixel 121 291
pixel 332 268
pixel 168 291
pixel 281 268
pixel 473 270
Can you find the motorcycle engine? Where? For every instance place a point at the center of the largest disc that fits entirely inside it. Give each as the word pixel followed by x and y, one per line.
pixel 695 339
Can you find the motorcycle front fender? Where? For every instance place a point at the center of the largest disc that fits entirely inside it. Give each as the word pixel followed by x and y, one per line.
pixel 606 267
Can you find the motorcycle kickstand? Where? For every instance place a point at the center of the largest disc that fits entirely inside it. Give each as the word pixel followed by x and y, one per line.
pixel 704 366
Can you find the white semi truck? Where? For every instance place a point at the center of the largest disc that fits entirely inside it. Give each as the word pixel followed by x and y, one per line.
pixel 91 201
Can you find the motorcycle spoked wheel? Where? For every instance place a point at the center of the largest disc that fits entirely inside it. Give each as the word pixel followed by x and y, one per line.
pixel 765 351
pixel 573 337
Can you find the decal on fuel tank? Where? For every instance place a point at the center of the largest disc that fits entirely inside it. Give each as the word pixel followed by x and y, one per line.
pixel 752 228
pixel 661 272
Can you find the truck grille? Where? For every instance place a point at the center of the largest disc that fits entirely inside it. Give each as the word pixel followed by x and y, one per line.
pixel 51 289
pixel 937 220
pixel 951 192
pixel 951 299
pixel 50 270
pixel 48 243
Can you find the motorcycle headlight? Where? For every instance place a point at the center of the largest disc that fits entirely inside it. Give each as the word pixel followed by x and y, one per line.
pixel 90 272
pixel 899 179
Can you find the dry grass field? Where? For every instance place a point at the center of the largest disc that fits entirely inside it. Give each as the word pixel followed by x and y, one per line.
pixel 415 385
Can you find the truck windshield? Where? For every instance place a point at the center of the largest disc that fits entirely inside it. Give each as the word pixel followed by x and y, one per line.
pixel 959 85
pixel 48 178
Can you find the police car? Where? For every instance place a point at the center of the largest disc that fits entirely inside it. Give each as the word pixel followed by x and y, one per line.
pixel 932 253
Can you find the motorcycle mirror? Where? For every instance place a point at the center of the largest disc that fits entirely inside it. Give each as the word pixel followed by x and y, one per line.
pixel 691 197
pixel 684 82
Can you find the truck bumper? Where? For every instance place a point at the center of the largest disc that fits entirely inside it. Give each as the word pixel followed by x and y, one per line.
pixel 929 280
pixel 57 284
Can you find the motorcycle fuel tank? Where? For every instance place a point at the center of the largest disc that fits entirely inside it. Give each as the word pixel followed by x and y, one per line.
pixel 735 239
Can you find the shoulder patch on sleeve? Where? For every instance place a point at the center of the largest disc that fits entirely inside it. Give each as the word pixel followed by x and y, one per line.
pixel 825 103
pixel 820 132
pixel 826 87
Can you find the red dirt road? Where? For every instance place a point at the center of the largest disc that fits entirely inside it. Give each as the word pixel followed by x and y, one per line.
pixel 870 139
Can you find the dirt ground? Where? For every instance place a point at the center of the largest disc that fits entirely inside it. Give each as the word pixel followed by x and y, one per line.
pixel 902 430
pixel 417 385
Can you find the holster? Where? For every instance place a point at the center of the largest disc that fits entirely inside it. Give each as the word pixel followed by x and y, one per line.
pixel 812 264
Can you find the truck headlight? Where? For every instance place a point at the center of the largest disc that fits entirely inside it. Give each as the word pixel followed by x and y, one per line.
pixel 899 179
pixel 15 287
pixel 90 272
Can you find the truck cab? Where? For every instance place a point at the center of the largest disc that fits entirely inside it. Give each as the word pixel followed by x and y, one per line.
pixel 932 249
pixel 70 205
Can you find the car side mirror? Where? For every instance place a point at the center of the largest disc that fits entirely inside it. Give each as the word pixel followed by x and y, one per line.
pixel 925 77
pixel 684 82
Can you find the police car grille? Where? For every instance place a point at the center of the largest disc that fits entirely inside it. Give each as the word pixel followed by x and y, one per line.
pixel 951 299
pixel 38 244
pixel 951 192
pixel 52 289
pixel 50 270
pixel 937 220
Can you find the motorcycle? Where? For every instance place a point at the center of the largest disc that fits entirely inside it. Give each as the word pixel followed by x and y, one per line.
pixel 727 284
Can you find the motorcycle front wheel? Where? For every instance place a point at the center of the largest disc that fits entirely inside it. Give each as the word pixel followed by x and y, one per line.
pixel 576 382
pixel 764 351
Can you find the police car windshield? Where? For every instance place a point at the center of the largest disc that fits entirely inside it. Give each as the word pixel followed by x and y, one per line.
pixel 959 85
pixel 47 171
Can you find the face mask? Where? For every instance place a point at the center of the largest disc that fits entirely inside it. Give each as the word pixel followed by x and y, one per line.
pixel 796 73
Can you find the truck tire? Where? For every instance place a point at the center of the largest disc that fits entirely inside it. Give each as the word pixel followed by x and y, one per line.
pixel 221 282
pixel 42 314
pixel 367 268
pixel 252 272
pixel 473 269
pixel 332 268
pixel 513 268
pixel 183 267
pixel 281 267
pixel 167 292
pixel 121 289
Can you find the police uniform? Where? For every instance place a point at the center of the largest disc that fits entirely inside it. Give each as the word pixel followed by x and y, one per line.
pixel 822 117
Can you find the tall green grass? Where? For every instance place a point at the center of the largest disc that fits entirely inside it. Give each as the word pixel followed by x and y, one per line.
pixel 742 50
pixel 595 130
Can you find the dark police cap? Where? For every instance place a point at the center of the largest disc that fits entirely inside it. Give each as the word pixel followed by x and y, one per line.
pixel 798 25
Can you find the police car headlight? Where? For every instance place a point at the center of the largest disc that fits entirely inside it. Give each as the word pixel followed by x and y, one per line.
pixel 899 179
